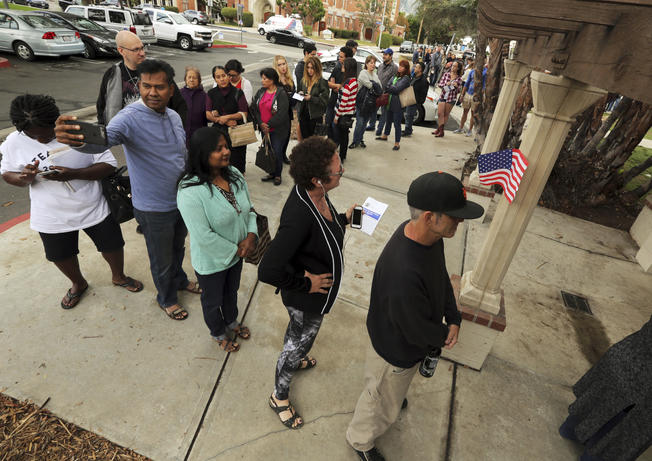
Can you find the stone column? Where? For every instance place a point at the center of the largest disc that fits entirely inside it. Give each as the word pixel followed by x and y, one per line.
pixel 557 100
pixel 515 72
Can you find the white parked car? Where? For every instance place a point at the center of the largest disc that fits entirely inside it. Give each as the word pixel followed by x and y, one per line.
pixel 174 28
pixel 29 35
pixel 280 22
pixel 118 19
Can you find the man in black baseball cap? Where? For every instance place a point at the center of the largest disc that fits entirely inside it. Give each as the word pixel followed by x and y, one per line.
pixel 411 296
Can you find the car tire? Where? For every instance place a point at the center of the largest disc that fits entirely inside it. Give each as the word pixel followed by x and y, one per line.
pixel 261 31
pixel 420 115
pixel 300 44
pixel 272 39
pixel 89 51
pixel 23 51
pixel 195 22
pixel 185 42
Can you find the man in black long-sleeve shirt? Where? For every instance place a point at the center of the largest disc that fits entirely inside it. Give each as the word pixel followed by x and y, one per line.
pixel 411 294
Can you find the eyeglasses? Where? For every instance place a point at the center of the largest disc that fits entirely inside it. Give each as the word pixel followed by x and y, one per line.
pixel 136 50
pixel 339 173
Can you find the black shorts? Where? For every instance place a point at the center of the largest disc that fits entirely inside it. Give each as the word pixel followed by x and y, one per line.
pixel 106 236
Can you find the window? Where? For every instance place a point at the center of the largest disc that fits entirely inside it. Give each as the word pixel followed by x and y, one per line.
pixel 97 15
pixel 117 17
pixel 75 10
pixel 7 22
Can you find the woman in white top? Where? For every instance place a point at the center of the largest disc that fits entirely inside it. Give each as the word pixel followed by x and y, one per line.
pixel 65 193
pixel 235 70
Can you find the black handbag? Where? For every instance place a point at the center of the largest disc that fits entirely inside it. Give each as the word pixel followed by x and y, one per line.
pixel 117 191
pixel 345 122
pixel 264 239
pixel 266 157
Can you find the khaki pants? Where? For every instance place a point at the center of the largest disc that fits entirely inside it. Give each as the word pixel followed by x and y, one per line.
pixel 380 402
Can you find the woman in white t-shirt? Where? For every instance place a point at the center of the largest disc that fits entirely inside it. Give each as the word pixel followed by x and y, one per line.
pixel 65 193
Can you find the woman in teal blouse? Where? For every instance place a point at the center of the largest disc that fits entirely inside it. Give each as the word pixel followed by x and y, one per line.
pixel 214 202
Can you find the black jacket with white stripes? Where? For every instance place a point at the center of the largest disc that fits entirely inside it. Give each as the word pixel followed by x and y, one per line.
pixel 305 241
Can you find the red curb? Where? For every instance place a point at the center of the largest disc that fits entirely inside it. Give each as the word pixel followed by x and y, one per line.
pixel 4 62
pixel 12 222
pixel 228 46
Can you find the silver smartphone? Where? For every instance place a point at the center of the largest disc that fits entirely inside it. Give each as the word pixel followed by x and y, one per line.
pixel 356 218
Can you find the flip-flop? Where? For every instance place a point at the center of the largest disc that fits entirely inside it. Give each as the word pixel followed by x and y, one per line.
pixel 228 345
pixel 73 298
pixel 131 283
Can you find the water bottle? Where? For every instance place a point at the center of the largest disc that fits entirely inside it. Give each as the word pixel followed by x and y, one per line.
pixel 429 363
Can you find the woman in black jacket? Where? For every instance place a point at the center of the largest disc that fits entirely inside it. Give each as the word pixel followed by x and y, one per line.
pixel 315 93
pixel 305 261
pixel 270 108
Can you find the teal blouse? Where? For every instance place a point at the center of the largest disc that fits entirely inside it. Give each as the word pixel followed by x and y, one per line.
pixel 214 225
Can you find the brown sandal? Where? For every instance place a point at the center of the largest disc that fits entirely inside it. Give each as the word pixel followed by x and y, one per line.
pixel 307 363
pixel 242 332
pixel 228 345
pixel 178 314
pixel 193 287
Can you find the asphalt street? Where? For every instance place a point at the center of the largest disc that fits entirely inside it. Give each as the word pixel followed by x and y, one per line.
pixel 74 83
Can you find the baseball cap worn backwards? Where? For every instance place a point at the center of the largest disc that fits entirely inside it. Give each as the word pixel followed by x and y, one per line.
pixel 388 51
pixel 442 193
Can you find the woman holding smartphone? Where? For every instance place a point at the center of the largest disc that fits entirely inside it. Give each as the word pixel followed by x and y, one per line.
pixel 65 194
pixel 305 262
pixel 315 97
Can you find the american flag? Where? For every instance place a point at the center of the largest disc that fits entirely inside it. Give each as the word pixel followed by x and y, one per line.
pixel 505 167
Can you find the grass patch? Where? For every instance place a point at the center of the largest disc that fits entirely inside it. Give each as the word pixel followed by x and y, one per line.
pixel 648 135
pixel 224 42
pixel 639 155
pixel 13 6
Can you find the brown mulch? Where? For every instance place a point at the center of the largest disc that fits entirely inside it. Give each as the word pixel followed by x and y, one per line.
pixel 29 432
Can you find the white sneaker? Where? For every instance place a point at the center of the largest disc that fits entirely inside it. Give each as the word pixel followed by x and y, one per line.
pixel 469 133
pixel 459 130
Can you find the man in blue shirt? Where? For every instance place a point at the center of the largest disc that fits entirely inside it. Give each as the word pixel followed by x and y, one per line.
pixel 467 101
pixel 154 142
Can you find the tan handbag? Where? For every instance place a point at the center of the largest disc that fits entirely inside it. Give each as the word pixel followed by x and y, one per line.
pixel 241 135
pixel 407 97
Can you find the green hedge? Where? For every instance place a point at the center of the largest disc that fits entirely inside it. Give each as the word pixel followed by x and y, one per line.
pixel 172 8
pixel 307 31
pixel 385 40
pixel 229 14
pixel 396 40
pixel 247 19
pixel 355 35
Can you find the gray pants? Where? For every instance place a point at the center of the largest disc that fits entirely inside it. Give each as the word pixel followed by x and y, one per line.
pixel 380 402
pixel 299 338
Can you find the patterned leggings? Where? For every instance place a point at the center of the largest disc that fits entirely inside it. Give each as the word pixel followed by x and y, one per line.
pixel 299 337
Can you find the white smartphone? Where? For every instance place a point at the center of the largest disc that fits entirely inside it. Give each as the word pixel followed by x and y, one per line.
pixel 356 218
pixel 46 172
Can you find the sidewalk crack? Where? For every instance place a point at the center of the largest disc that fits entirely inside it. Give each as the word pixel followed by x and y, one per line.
pixel 260 437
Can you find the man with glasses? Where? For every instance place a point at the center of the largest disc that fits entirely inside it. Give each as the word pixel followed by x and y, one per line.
pixel 119 86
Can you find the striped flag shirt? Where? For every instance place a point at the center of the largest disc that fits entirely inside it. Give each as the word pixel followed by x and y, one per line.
pixel 346 98
pixel 505 167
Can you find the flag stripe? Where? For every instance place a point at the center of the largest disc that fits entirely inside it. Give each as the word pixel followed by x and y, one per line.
pixel 505 167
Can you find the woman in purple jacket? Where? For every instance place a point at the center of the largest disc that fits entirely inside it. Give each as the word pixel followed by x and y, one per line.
pixel 195 97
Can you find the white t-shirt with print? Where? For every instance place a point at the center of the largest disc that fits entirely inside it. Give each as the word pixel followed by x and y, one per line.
pixel 55 208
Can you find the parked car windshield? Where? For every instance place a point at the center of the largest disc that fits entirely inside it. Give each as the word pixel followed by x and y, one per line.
pixel 179 19
pixel 141 19
pixel 83 24
pixel 40 22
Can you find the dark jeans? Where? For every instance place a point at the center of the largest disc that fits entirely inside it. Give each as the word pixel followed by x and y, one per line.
pixel 239 158
pixel 395 117
pixel 343 136
pixel 279 144
pixel 330 116
pixel 219 299
pixel 381 121
pixel 307 126
pixel 410 111
pixel 360 125
pixel 372 119
pixel 165 236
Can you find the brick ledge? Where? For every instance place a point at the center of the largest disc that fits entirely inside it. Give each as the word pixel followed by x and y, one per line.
pixel 495 322
pixel 483 192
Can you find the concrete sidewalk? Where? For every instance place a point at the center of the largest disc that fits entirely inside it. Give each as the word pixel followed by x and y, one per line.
pixel 118 366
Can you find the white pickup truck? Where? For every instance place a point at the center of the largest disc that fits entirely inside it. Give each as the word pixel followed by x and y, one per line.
pixel 173 28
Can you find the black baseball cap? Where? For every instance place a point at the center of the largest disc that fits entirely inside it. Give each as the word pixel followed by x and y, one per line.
pixel 442 193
